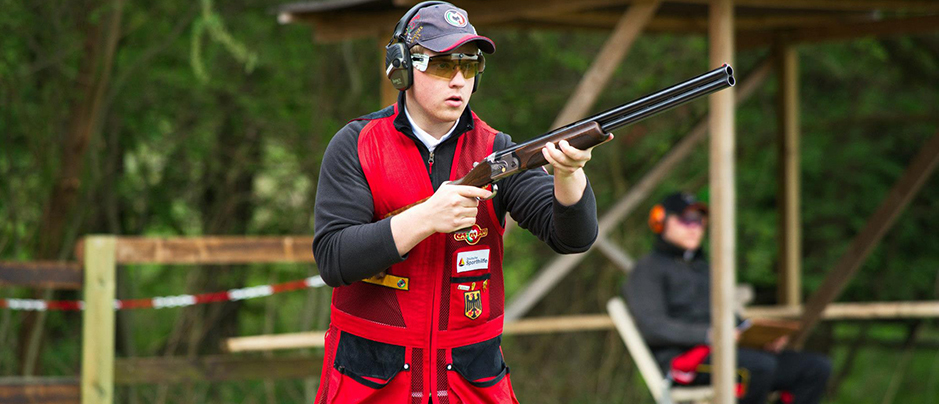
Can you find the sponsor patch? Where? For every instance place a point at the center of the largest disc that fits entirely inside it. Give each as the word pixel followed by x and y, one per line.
pixel 389 281
pixel 471 236
pixel 472 260
pixel 473 304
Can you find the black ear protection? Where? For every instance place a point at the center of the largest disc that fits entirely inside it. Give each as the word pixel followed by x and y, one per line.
pixel 398 66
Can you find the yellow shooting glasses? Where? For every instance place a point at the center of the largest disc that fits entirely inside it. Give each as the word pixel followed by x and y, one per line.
pixel 445 66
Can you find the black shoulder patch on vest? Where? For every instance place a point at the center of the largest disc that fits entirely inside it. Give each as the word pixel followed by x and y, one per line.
pixel 382 113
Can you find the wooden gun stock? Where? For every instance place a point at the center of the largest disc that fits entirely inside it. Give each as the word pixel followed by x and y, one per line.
pixel 526 156
pixel 582 136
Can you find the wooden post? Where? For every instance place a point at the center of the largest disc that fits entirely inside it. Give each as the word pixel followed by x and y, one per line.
pixel 389 94
pixel 614 50
pixel 790 234
pixel 896 200
pixel 723 226
pixel 97 372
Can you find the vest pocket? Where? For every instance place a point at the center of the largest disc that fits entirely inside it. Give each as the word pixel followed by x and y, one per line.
pixel 477 374
pixel 469 301
pixel 369 371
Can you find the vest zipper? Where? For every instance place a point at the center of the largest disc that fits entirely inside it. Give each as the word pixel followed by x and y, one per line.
pixel 431 365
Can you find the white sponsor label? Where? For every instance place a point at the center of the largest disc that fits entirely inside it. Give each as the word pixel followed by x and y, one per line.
pixel 472 260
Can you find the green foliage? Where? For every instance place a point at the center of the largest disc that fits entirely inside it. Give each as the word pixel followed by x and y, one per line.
pixel 210 23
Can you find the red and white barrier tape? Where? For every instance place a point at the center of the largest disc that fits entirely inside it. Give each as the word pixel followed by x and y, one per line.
pixel 168 301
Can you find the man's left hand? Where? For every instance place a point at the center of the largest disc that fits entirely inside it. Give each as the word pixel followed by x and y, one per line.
pixel 568 162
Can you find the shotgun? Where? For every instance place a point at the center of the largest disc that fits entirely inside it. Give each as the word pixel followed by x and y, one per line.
pixel 594 130
pixel 591 131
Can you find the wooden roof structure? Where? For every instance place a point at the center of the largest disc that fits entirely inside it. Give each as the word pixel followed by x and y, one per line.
pixel 729 25
pixel 757 22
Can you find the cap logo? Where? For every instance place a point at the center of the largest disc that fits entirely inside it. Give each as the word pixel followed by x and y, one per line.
pixel 455 19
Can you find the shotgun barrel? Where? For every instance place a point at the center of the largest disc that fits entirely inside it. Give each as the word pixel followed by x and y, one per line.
pixel 594 130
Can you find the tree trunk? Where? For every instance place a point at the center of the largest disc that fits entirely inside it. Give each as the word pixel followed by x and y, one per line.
pixel 100 45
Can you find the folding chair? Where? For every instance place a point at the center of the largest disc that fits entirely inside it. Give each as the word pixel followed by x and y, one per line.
pixel 662 390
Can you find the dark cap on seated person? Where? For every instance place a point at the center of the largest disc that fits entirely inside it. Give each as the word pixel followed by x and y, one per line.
pixel 680 202
pixel 442 28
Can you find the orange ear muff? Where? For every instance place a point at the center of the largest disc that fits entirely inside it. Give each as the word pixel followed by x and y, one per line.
pixel 657 219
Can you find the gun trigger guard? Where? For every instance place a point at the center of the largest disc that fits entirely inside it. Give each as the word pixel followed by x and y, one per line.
pixel 495 190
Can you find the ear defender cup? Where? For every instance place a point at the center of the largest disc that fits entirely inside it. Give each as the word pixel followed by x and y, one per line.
pixel 397 55
pixel 657 219
pixel 398 66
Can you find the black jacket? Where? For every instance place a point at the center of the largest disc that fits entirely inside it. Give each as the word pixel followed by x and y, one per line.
pixel 349 247
pixel 668 293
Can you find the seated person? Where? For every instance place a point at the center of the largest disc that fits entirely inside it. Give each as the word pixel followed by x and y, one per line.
pixel 668 294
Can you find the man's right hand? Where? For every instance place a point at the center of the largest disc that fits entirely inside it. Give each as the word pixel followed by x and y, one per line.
pixel 451 208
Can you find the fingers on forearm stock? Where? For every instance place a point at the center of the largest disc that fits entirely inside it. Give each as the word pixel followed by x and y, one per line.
pixel 576 156
pixel 565 156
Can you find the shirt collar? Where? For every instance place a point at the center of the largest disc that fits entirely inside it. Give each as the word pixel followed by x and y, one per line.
pixel 426 138
pixel 401 123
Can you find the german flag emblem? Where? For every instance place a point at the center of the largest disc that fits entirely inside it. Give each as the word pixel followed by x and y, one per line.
pixel 473 304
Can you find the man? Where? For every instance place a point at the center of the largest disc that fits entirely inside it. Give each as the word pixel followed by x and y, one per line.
pixel 417 308
pixel 669 296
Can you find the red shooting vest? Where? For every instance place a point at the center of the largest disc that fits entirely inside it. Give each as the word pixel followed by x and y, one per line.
pixel 447 294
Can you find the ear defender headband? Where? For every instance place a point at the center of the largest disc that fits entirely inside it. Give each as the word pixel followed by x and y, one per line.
pixel 657 219
pixel 398 65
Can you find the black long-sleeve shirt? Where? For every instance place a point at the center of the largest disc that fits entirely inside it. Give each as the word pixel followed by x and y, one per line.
pixel 349 246
pixel 668 293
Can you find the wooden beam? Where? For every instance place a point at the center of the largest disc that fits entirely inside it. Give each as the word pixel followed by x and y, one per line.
pixel 584 322
pixel 921 167
pixel 160 370
pixel 213 250
pixel 350 24
pixel 843 31
pixel 552 273
pixel 617 255
pixel 97 370
pixel 699 24
pixel 44 390
pixel 722 208
pixel 608 58
pixel 344 25
pixel 853 311
pixel 836 5
pixel 312 339
pixel 315 339
pixel 551 325
pixel 41 274
pixel 790 231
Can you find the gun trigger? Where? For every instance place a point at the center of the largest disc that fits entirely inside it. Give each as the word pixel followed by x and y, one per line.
pixel 495 189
